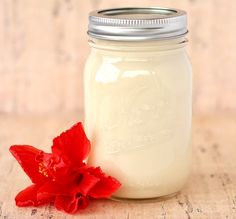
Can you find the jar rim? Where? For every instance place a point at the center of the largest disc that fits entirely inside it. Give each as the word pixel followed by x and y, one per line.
pixel 137 23
pixel 138 46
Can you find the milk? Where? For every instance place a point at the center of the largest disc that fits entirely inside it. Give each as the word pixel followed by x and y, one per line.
pixel 138 109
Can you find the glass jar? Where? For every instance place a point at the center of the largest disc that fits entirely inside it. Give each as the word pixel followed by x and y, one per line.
pixel 138 99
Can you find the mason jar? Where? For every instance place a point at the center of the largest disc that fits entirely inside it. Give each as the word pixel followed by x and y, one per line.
pixel 138 99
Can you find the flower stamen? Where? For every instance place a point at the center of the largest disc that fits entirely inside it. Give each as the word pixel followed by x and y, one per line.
pixel 43 170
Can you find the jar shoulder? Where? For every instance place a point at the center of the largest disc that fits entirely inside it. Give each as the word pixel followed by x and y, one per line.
pixel 110 67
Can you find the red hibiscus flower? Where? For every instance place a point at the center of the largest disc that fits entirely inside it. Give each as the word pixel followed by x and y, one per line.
pixel 62 177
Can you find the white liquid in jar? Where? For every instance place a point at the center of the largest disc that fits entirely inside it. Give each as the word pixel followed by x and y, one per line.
pixel 138 115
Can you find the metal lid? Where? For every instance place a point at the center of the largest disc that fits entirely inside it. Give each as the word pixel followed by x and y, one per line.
pixel 129 24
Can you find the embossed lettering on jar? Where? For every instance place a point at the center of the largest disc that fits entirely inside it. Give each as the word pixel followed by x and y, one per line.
pixel 138 99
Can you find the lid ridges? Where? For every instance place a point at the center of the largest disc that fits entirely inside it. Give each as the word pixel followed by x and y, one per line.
pixel 116 23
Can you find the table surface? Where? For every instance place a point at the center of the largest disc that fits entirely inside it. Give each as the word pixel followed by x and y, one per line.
pixel 209 193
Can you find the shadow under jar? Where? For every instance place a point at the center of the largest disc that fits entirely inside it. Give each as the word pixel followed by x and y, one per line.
pixel 138 99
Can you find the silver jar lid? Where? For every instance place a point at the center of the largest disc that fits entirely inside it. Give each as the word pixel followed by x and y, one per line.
pixel 129 24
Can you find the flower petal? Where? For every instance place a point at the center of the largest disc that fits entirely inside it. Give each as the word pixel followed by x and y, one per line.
pixel 50 190
pixel 85 183
pixel 70 204
pixel 78 182
pixel 27 157
pixel 28 197
pixel 105 187
pixel 72 144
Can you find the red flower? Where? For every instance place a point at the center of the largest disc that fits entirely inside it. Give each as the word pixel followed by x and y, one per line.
pixel 62 177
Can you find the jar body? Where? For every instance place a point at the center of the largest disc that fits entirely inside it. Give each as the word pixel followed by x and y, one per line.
pixel 138 109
